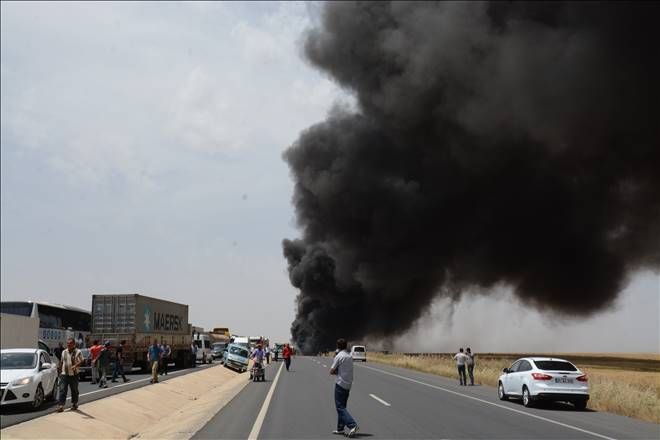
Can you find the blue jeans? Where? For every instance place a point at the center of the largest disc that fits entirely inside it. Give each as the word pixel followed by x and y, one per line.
pixel 344 418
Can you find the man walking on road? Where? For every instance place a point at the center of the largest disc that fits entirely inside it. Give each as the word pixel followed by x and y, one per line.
pixel 461 359
pixel 193 354
pixel 104 364
pixel 286 354
pixel 165 359
pixel 67 370
pixel 94 352
pixel 153 356
pixel 342 367
pixel 470 364
pixel 119 368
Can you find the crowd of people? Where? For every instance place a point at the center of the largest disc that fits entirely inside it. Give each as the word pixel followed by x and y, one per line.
pixel 70 359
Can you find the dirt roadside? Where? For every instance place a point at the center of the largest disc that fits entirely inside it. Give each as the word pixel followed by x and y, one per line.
pixel 174 409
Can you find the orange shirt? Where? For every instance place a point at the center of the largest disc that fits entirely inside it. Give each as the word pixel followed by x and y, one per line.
pixel 95 350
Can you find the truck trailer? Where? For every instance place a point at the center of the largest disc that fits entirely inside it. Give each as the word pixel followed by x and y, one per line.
pixel 139 320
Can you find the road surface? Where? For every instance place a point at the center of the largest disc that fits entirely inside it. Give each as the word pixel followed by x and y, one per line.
pixel 13 414
pixel 390 402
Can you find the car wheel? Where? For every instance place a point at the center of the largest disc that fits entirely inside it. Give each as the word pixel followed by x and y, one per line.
pixel 527 398
pixel 580 405
pixel 500 392
pixel 38 397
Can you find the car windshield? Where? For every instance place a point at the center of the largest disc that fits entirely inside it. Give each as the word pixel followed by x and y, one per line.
pixel 555 366
pixel 18 361
pixel 360 349
pixel 219 347
pixel 238 351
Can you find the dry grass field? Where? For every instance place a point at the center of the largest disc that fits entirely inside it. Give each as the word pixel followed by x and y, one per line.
pixel 625 384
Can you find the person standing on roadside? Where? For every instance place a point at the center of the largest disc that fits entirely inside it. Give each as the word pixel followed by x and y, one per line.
pixel 470 364
pixel 193 353
pixel 94 352
pixel 286 354
pixel 119 358
pixel 461 359
pixel 342 367
pixel 267 355
pixel 104 364
pixel 165 359
pixel 162 355
pixel 67 370
pixel 153 356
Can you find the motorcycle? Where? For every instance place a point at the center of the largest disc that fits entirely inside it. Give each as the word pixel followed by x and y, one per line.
pixel 257 373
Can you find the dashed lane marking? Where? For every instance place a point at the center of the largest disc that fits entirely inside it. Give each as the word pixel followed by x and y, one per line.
pixel 379 399
pixel 565 425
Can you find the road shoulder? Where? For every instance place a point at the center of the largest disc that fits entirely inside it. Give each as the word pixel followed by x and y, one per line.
pixel 176 408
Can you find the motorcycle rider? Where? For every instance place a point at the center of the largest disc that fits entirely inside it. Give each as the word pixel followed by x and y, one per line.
pixel 258 357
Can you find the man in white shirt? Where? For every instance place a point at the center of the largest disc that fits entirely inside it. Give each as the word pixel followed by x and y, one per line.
pixel 67 370
pixel 342 367
pixel 461 359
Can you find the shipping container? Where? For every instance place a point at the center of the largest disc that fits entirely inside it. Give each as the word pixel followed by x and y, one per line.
pixel 139 320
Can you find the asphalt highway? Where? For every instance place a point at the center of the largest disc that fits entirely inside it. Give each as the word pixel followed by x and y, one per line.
pixel 13 414
pixel 390 403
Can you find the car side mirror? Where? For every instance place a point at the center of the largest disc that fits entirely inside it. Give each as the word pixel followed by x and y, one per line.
pixel 45 366
pixel 505 370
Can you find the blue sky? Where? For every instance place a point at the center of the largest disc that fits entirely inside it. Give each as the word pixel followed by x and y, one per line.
pixel 141 152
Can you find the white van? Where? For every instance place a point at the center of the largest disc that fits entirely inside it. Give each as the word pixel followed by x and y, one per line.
pixel 359 353
pixel 204 349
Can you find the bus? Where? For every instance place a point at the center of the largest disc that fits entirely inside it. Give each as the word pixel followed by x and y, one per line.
pixel 57 322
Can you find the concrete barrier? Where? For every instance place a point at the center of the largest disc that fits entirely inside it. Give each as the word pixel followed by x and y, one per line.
pixel 174 409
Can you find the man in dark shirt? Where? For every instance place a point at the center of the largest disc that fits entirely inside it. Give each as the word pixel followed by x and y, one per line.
pixel 104 363
pixel 119 358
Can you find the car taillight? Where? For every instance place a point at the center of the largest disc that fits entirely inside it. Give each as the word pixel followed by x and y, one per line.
pixel 583 378
pixel 541 376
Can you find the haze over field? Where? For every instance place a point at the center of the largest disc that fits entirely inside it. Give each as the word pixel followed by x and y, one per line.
pixel 142 151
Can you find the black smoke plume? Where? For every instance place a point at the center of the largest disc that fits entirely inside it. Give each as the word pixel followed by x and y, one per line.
pixel 493 144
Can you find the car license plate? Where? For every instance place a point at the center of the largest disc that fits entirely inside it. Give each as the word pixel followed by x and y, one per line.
pixel 563 380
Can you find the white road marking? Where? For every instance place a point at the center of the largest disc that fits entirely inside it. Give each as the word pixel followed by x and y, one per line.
pixel 325 366
pixel 380 400
pixel 256 428
pixel 491 403
pixel 131 382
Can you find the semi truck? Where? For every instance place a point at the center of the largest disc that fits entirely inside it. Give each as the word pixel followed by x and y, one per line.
pixel 220 334
pixel 139 320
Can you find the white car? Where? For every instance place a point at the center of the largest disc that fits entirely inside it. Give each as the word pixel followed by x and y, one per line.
pixel 537 378
pixel 27 376
pixel 359 353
